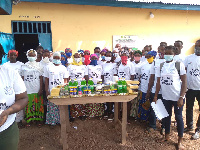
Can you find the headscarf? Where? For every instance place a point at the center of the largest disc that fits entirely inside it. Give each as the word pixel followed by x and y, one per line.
pixel 80 51
pixel 87 58
pixel 106 49
pixel 67 49
pixel 138 51
pixel 57 54
pixel 74 62
pixel 103 51
pixel 12 51
pixel 87 51
pixel 152 53
pixel 93 55
pixel 31 51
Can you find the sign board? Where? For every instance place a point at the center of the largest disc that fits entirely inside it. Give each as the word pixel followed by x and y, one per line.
pixel 125 40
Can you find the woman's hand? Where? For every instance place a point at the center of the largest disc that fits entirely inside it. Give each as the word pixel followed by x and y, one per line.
pixel 3 117
pixel 180 102
pixel 155 99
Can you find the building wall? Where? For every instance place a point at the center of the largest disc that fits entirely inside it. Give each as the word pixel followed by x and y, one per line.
pixel 84 27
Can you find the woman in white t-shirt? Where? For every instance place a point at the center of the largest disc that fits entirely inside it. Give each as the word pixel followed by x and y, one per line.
pixel 13 99
pixel 144 104
pixel 32 75
pixel 137 65
pixel 16 65
pixel 55 75
pixel 77 71
pixel 109 70
pixel 13 63
pixel 94 73
pixel 172 81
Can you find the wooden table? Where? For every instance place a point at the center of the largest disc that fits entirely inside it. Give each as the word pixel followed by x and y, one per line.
pixel 64 114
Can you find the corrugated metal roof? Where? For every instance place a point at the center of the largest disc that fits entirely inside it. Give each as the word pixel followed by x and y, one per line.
pixel 187 2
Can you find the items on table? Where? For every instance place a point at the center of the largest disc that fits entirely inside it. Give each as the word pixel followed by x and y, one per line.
pixel 74 89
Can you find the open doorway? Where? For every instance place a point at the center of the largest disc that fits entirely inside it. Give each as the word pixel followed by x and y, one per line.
pixel 24 42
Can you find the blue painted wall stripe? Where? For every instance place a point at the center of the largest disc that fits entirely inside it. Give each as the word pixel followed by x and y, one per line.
pixel 115 3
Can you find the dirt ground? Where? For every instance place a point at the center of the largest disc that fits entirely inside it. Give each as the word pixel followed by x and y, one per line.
pixel 97 134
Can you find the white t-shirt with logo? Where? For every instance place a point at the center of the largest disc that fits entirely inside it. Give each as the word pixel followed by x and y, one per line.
pixel 180 58
pixel 94 72
pixel 144 77
pixel 192 63
pixel 170 81
pixel 109 69
pixel 56 75
pixel 15 66
pixel 137 70
pixel 126 71
pixel 11 84
pixel 154 69
pixel 99 62
pixel 43 66
pixel 31 72
pixel 77 72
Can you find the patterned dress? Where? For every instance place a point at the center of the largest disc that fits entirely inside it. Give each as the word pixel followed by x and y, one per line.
pixel 144 108
pixel 34 111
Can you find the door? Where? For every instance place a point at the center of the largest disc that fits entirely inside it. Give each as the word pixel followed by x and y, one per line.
pixel 45 40
pixel 8 43
pixel 41 28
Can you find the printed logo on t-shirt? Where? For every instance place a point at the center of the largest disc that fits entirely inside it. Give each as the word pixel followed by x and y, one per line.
pixel 56 82
pixel 194 72
pixel 94 75
pixel 78 75
pixel 3 106
pixel 122 74
pixel 29 78
pixel 107 75
pixel 8 90
pixel 144 76
pixel 166 80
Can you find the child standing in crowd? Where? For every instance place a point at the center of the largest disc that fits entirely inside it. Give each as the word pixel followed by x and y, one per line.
pixel 144 104
pixel 55 74
pixel 137 65
pixel 94 73
pixel 116 55
pixel 32 75
pixel 172 81
pixel 192 64
pixel 16 65
pixel 77 71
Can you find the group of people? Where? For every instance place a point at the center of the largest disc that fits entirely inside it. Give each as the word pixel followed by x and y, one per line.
pixel 164 74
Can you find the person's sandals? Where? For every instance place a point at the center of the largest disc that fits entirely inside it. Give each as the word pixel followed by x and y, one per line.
pixel 180 147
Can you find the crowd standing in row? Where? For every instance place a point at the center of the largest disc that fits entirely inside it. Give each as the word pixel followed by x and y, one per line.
pixel 163 74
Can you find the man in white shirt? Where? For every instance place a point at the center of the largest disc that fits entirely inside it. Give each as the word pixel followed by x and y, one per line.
pixel 192 64
pixel 178 56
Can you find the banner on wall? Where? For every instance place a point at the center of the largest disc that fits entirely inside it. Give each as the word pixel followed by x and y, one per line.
pixel 129 41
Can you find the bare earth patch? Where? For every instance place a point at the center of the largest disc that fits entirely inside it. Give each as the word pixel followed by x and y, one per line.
pixel 97 134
